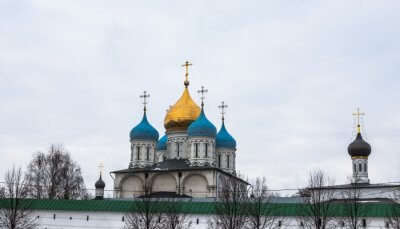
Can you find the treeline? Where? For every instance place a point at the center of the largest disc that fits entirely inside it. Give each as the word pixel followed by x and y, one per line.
pixel 54 175
pixel 240 206
pixel 49 175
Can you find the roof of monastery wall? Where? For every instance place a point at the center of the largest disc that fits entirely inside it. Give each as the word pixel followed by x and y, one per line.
pixel 191 207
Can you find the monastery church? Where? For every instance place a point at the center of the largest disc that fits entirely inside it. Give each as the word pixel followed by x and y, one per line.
pixel 188 161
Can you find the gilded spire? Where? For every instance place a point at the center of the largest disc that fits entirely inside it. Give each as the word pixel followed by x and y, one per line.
pixel 358 114
pixel 186 65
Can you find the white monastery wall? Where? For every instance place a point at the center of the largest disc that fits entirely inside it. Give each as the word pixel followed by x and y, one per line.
pixel 112 220
pixel 367 193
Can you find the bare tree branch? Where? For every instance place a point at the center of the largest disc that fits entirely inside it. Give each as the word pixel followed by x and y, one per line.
pixel 315 210
pixel 145 212
pixel 18 213
pixel 55 176
pixel 393 214
pixel 352 207
pixel 174 216
pixel 260 210
pixel 231 206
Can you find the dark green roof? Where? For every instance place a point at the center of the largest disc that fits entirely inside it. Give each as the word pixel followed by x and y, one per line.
pixel 278 209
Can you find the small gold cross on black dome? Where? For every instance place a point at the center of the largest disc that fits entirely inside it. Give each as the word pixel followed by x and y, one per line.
pixel 358 114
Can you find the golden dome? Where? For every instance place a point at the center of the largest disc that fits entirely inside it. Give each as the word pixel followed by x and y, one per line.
pixel 182 114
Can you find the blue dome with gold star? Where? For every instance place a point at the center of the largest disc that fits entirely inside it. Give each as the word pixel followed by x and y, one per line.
pixel 162 143
pixel 224 139
pixel 144 131
pixel 202 127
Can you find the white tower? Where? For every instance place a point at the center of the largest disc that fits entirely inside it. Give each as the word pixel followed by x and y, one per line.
pixel 201 139
pixel 225 146
pixel 143 138
pixel 359 150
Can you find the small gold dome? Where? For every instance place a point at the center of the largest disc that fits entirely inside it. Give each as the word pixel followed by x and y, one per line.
pixel 182 114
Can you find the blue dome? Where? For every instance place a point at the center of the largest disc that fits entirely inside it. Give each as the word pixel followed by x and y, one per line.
pixel 202 127
pixel 224 139
pixel 144 131
pixel 162 143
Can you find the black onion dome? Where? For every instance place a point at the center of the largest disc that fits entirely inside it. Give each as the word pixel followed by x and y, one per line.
pixel 359 147
pixel 100 183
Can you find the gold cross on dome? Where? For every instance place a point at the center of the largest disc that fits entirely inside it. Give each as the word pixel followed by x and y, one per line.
pixel 358 114
pixel 186 65
pixel 101 168
pixel 144 97
pixel 202 92
pixel 222 107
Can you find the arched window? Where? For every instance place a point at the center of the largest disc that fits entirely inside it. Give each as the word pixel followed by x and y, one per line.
pixel 138 153
pixel 148 153
pixel 132 148
pixel 196 149
pixel 177 149
pixel 354 168
pixel 227 161
pixel 206 150
pixel 360 167
pixel 219 160
pixel 365 167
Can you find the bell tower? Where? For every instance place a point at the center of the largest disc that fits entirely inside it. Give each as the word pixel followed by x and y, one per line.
pixel 359 150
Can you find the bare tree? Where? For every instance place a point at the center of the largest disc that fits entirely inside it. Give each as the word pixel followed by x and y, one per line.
pixel 393 213
pixel 16 213
pixel 145 212
pixel 316 208
pixel 352 207
pixel 174 215
pixel 36 175
pixel 55 175
pixel 230 209
pixel 260 210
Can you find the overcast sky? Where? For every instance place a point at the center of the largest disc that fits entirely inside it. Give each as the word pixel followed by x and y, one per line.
pixel 291 71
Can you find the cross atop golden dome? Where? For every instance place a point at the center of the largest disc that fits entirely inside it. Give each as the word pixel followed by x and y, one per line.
pixel 186 65
pixel 185 110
